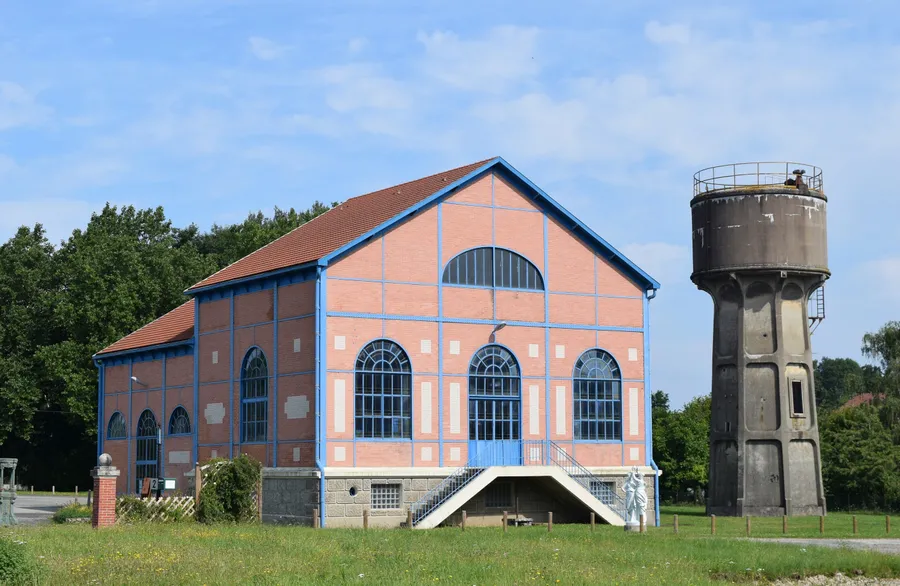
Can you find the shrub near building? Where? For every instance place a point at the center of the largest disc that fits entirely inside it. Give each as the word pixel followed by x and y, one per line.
pixel 227 491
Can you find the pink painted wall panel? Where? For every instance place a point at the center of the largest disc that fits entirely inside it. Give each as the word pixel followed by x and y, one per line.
pixel 520 306
pixel 522 232
pixel 289 360
pixel 410 249
pixel 119 451
pixel 183 396
pixel 214 315
pixel 246 338
pixel 410 300
pixel 355 296
pixel 253 308
pixel 615 311
pixel 507 196
pixel 612 282
pixel 356 333
pixel 573 309
pixel 297 299
pixel 116 379
pixel 206 453
pixel 565 387
pixel 574 343
pixel 450 452
pixel 618 344
pixel 149 375
pixel 426 454
pixel 210 343
pixel 362 263
pixel 471 337
pixel 305 456
pixel 331 406
pixel 521 341
pixel 540 420
pixel 180 371
pixel 599 454
pixel 210 398
pixel 296 393
pixel 463 433
pixel 626 411
pixel 258 452
pixel 383 453
pixel 184 443
pixel 571 261
pixel 467 303
pixel 433 408
pixel 464 227
pixel 410 334
pixel 331 458
pixel 478 192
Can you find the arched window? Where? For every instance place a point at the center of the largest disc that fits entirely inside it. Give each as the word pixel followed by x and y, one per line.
pixel 147 447
pixel 117 428
pixel 254 397
pixel 494 395
pixel 179 422
pixel 493 267
pixel 383 391
pixel 598 397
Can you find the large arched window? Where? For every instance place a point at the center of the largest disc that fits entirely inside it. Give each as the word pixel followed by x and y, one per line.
pixel 383 391
pixel 179 422
pixel 117 429
pixel 493 267
pixel 147 447
pixel 494 395
pixel 598 397
pixel 254 397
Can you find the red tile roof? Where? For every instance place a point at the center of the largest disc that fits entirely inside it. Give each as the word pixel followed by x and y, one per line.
pixel 861 399
pixel 337 227
pixel 174 326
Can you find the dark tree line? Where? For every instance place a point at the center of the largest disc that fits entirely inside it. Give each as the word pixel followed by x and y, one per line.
pixel 860 443
pixel 61 304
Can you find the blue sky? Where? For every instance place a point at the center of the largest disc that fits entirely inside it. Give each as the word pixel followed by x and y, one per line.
pixel 217 108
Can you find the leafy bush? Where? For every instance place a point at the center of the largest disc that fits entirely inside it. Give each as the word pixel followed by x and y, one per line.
pixel 226 494
pixel 72 511
pixel 16 565
pixel 131 509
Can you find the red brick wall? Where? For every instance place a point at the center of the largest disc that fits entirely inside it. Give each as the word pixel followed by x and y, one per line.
pixel 214 315
pixel 253 308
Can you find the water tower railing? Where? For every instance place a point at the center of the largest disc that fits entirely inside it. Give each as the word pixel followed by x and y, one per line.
pixel 754 174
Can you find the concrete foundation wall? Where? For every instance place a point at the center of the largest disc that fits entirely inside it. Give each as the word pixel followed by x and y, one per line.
pixel 290 495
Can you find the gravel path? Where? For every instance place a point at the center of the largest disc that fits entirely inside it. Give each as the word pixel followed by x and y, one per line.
pixel 888 546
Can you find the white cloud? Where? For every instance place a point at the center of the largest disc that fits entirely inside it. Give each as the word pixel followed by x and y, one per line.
pixel 266 49
pixel 18 107
pixel 505 56
pixel 356 45
pixel 357 87
pixel 57 215
pixel 672 33
pixel 665 262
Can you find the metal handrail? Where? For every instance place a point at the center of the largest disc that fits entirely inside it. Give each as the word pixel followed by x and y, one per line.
pixel 755 174
pixel 435 497
pixel 557 456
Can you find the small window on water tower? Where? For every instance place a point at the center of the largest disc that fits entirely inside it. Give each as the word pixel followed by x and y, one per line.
pixel 797 396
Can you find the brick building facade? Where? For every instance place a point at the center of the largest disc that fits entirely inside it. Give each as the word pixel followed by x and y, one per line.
pixel 460 326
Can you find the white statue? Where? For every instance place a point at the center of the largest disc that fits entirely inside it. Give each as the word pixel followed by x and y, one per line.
pixel 635 498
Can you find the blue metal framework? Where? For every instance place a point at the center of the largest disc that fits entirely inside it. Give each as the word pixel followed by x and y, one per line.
pixel 146 436
pixel 117 428
pixel 489 266
pixel 254 396
pixel 383 391
pixel 179 422
pixel 597 384
pixel 495 395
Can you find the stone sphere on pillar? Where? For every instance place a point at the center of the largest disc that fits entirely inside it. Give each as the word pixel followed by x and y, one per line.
pixel 105 460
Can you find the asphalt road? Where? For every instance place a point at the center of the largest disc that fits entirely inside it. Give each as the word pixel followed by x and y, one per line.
pixel 37 509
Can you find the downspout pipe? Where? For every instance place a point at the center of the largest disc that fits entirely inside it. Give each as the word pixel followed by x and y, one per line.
pixel 100 396
pixel 651 293
pixel 319 393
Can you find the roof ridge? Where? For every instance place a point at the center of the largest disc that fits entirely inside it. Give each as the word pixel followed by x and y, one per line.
pixel 337 207
pixel 145 326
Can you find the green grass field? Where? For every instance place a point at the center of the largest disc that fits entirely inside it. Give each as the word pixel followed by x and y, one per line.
pixel 197 554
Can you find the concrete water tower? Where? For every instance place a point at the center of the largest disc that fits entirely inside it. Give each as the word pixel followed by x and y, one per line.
pixel 759 244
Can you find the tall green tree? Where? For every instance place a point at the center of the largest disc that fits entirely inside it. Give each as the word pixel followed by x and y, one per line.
pixel 836 380
pixel 681 446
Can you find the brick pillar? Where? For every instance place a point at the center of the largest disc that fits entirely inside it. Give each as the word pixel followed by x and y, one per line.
pixel 104 509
